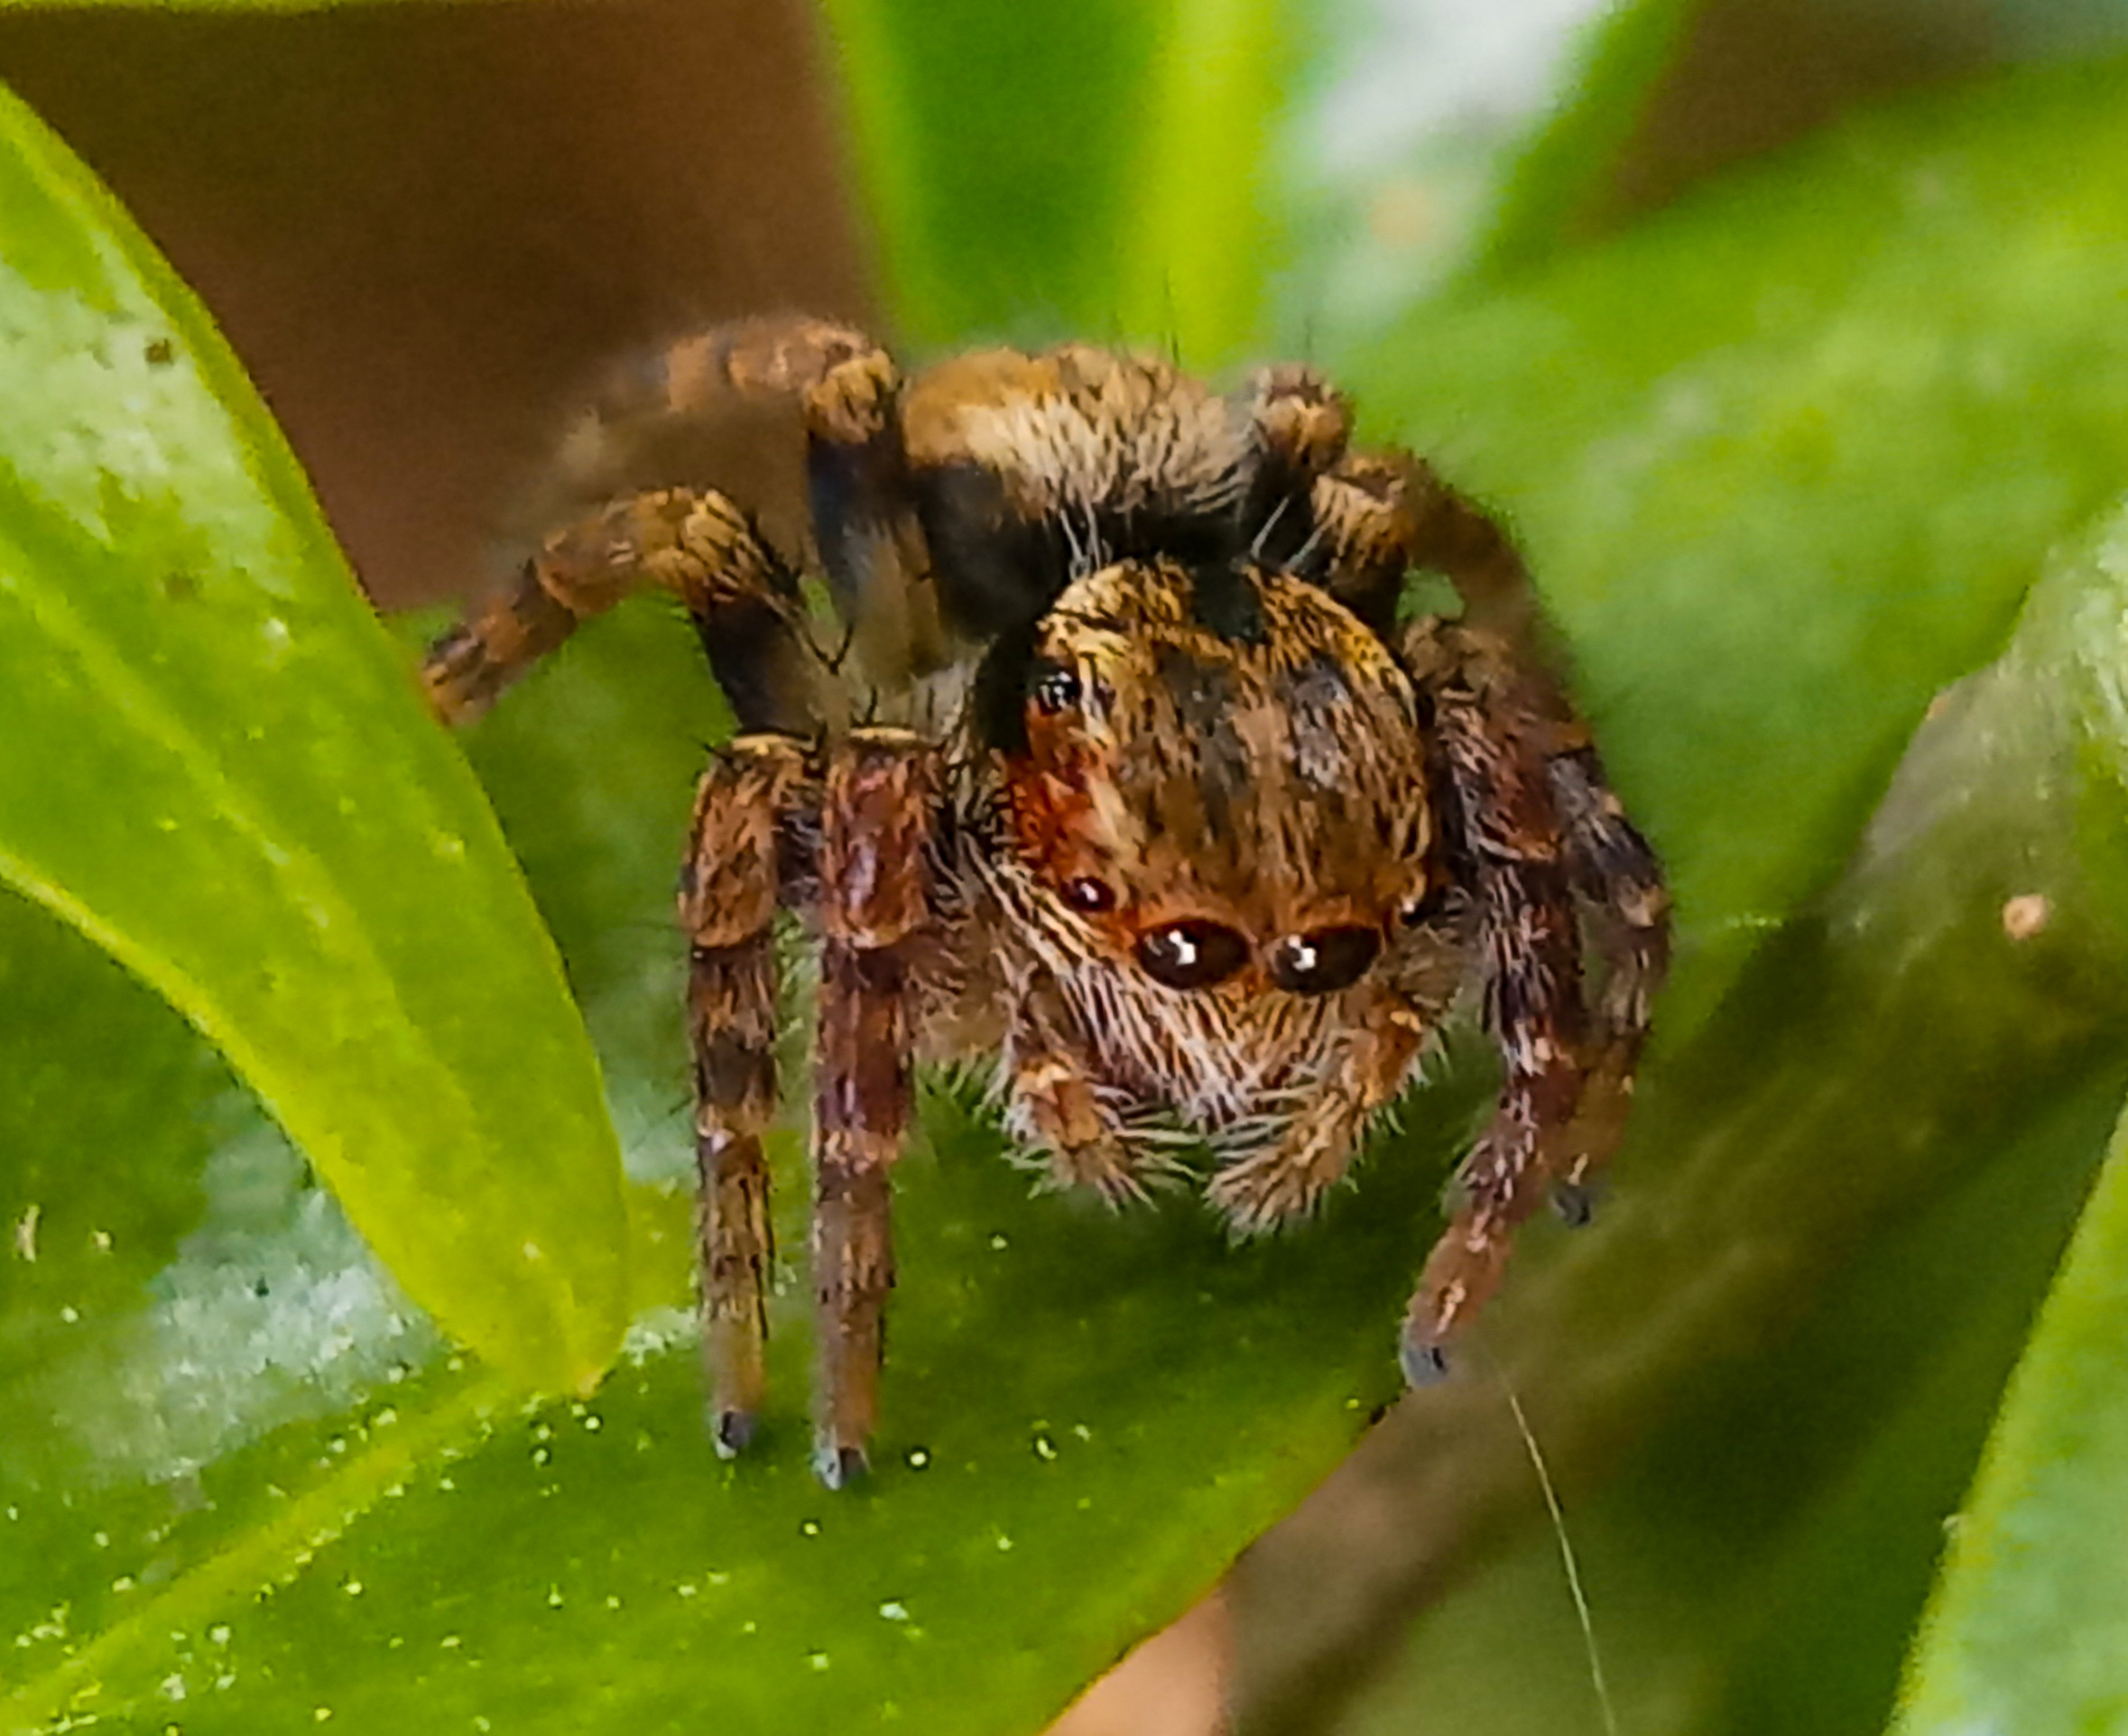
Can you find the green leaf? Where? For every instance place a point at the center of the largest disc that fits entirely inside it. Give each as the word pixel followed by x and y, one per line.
pixel 2029 1628
pixel 1061 167
pixel 1564 178
pixel 428 1537
pixel 214 763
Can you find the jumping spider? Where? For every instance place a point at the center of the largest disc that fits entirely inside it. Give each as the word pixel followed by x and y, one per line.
pixel 1174 814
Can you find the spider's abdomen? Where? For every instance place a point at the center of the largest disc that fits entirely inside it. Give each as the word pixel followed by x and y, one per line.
pixel 1028 471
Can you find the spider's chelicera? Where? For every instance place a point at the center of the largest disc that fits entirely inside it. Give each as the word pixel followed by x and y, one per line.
pixel 1176 816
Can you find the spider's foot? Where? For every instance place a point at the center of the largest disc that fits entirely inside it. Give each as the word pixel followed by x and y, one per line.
pixel 1424 1360
pixel 731 1432
pixel 1576 1203
pixel 1463 1271
pixel 839 1466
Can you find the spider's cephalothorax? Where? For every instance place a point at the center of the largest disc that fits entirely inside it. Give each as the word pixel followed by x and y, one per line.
pixel 1173 814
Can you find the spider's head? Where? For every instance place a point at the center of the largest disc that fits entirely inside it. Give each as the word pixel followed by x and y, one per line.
pixel 1216 773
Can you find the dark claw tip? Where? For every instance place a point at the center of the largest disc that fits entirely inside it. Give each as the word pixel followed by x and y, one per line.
pixel 1575 1202
pixel 732 1431
pixel 837 1467
pixel 1425 1363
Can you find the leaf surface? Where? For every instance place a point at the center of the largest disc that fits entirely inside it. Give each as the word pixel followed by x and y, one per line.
pixel 214 763
pixel 2028 1630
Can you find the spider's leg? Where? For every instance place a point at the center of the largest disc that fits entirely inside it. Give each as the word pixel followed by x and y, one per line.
pixel 1616 872
pixel 878 807
pixel 1299 426
pixel 729 887
pixel 872 546
pixel 694 543
pixel 1379 514
pixel 1494 748
pixel 846 389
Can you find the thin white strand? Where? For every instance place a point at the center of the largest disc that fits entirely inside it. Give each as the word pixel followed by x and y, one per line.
pixel 1567 1557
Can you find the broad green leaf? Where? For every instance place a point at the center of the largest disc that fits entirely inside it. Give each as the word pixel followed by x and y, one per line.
pixel 2029 1628
pixel 215 764
pixel 996 145
pixel 1198 241
pixel 1053 168
pixel 430 1538
pixel 1670 91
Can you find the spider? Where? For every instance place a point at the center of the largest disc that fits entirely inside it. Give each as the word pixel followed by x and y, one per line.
pixel 1125 769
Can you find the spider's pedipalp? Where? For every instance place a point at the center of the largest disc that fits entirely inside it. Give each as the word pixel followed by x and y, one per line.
pixel 1058 1107
pixel 1286 1176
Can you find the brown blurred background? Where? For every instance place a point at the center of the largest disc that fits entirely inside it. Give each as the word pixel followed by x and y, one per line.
pixel 491 201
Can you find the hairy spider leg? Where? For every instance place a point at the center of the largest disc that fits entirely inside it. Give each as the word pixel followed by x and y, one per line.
pixel 878 808
pixel 746 850
pixel 1493 745
pixel 847 389
pixel 1616 873
pixel 1381 514
pixel 694 543
pixel 730 885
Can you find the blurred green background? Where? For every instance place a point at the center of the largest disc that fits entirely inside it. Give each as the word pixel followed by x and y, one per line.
pixel 1787 337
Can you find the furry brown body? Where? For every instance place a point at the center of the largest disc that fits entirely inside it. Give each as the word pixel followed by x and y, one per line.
pixel 1174 816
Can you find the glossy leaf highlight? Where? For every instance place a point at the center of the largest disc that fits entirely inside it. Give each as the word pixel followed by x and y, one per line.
pixel 213 762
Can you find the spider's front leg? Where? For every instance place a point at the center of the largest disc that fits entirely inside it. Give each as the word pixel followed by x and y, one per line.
pixel 1619 877
pixel 704 549
pixel 1539 833
pixel 729 887
pixel 879 805
pixel 1496 748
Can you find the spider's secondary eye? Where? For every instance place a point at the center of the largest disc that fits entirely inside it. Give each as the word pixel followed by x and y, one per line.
pixel 1324 962
pixel 1424 908
pixel 1192 954
pixel 1089 896
pixel 1055 690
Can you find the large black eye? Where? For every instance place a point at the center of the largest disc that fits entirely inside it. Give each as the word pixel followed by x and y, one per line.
pixel 1324 962
pixel 1192 954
